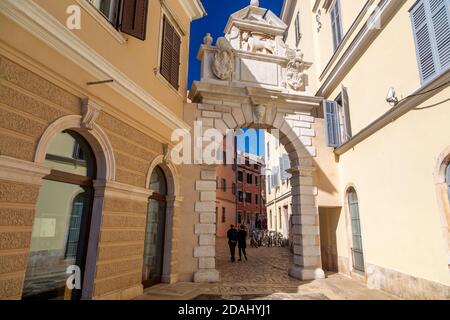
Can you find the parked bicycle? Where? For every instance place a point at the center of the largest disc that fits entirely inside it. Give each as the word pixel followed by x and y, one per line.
pixel 265 238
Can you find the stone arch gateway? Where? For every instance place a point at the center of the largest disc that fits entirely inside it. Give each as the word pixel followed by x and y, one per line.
pixel 263 89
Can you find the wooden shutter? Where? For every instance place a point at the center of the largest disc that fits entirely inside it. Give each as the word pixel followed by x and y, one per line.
pixel 170 53
pixel 346 108
pixel 440 17
pixel 330 110
pixel 424 42
pixel 134 18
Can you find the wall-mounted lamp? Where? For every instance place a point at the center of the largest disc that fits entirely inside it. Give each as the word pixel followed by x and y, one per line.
pixel 391 97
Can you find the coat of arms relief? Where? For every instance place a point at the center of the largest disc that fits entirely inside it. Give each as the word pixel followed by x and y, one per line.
pixel 296 76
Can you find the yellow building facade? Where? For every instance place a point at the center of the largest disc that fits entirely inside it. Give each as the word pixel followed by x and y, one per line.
pixel 90 94
pixel 384 199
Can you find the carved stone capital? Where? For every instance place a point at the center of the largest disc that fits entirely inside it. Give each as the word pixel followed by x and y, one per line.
pixel 90 112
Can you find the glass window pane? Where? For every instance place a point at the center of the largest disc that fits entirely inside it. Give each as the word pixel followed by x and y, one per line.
pixel 60 213
pixel 154 242
pixel 158 181
pixel 69 152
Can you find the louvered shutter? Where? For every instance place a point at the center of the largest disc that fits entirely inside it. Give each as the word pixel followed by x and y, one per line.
pixel 175 60
pixel 440 17
pixel 170 53
pixel 424 43
pixel 134 18
pixel 287 165
pixel 346 107
pixel 282 172
pixel 331 123
pixel 166 50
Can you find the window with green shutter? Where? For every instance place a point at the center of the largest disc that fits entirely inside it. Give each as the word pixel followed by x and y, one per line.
pixel 170 53
pixel 431 27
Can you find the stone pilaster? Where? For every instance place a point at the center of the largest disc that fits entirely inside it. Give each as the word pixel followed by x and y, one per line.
pixel 305 220
pixel 20 183
pixel 172 238
pixel 118 249
pixel 205 229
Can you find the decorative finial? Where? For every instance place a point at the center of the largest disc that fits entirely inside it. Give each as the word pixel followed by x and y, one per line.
pixel 208 40
pixel 254 3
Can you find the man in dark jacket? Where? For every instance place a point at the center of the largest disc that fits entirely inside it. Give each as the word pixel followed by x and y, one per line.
pixel 232 236
pixel 242 242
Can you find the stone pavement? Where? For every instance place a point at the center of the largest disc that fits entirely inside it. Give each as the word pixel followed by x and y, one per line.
pixel 264 276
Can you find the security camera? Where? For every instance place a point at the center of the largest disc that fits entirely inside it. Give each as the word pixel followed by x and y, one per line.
pixel 391 98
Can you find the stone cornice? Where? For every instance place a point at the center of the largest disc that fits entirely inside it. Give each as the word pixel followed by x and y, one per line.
pixel 194 8
pixel 121 190
pixel 366 35
pixel 248 94
pixel 48 29
pixel 396 112
pixel 12 169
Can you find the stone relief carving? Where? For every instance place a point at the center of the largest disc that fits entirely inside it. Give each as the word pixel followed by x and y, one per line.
pixel 296 75
pixel 90 112
pixel 223 63
pixel 257 43
pixel 319 23
pixel 259 112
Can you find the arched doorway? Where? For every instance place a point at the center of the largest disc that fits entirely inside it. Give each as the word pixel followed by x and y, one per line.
pixel 62 219
pixel 152 270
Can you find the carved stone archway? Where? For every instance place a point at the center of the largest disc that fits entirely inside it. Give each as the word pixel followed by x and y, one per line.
pixel 294 127
pixel 266 86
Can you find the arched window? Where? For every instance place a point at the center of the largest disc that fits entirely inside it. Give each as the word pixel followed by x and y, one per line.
pixel 155 229
pixel 357 247
pixel 62 218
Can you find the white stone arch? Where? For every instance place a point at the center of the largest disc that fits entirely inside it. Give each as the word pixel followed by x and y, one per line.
pixel 307 263
pixel 170 261
pixel 97 139
pixel 106 167
pixel 442 193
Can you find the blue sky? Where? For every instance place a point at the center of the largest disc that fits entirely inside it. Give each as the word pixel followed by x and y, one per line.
pixel 218 13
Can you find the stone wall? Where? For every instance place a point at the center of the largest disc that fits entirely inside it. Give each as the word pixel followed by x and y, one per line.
pixel 28 105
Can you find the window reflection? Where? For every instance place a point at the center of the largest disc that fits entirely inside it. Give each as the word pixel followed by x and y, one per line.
pixel 62 216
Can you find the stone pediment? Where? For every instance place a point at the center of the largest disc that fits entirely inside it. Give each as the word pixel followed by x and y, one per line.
pixel 256 19
pixel 252 53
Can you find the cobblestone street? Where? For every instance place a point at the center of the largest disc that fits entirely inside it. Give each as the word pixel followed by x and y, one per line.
pixel 264 276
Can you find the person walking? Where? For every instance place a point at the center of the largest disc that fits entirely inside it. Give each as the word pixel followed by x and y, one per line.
pixel 232 236
pixel 242 242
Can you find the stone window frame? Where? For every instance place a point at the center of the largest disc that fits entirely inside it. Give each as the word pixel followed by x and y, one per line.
pixel 442 186
pixel 173 20
pixel 106 168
